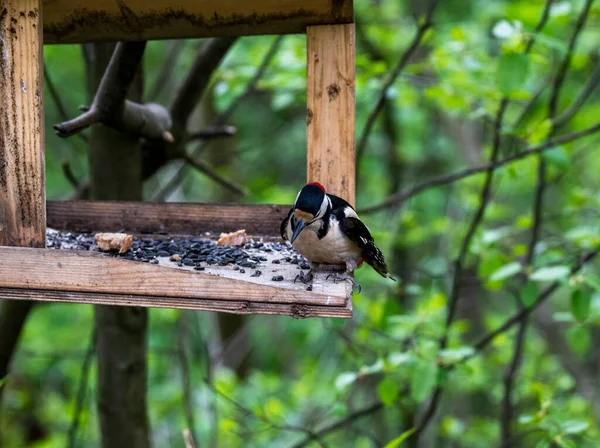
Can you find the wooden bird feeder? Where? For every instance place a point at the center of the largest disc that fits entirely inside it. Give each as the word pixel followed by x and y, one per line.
pixel 29 271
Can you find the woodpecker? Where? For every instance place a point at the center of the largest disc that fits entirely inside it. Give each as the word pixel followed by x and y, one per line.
pixel 325 229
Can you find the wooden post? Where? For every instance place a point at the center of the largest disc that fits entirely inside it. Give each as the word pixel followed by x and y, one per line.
pixel 22 183
pixel 330 112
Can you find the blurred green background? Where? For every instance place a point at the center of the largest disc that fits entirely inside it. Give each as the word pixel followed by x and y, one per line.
pixel 438 118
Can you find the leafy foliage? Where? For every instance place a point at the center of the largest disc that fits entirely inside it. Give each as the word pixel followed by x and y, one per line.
pixel 438 118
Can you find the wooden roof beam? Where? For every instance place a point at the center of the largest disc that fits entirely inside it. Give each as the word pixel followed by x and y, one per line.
pixel 68 21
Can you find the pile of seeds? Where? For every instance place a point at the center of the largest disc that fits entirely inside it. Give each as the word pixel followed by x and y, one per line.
pixel 196 252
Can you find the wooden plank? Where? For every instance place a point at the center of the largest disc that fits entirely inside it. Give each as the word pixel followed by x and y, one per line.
pixel 330 111
pixel 79 271
pixel 174 218
pixel 298 311
pixel 71 21
pixel 22 182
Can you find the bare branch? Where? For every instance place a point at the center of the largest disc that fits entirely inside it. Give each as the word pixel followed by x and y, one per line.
pixel 402 195
pixel 460 260
pixel 60 107
pixel 208 170
pixel 340 424
pixel 68 172
pixel 512 369
pixel 110 107
pixel 587 89
pixel 425 24
pixel 524 312
pixel 212 132
pixel 529 104
pixel 168 67
pixel 510 373
pixel 562 71
pixel 207 60
pixel 222 118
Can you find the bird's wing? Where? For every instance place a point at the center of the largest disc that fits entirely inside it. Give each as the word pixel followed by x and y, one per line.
pixel 359 234
pixel 284 224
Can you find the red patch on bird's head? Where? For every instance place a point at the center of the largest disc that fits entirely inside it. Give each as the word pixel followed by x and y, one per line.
pixel 317 184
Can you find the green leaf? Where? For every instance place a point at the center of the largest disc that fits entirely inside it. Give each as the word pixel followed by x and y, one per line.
pixel 529 293
pixel 506 271
pixel 388 390
pixel 3 381
pixel 345 379
pixel 557 156
pixel 574 426
pixel 551 273
pixel 579 339
pixel 581 304
pixel 401 438
pixel 423 380
pixel 456 354
pixel 511 72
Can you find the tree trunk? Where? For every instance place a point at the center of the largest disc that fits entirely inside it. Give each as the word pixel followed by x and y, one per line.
pixel 115 174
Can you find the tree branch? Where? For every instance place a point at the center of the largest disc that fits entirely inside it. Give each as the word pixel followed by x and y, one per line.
pixel 69 175
pixel 526 311
pixel 221 119
pixel 340 424
pixel 402 195
pixel 587 89
pixel 169 65
pixel 209 171
pixel 460 260
pixel 60 107
pixel 212 132
pixel 189 93
pixel 412 48
pixel 112 109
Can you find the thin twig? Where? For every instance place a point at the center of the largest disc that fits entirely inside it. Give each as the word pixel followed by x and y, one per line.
pixel 168 67
pixel 211 172
pixel 523 313
pixel 340 424
pixel 402 195
pixel 81 391
pixel 584 94
pixel 529 104
pixel 562 71
pixel 459 263
pixel 425 24
pixel 69 175
pixel 506 416
pixel 212 132
pixel 221 119
pixel 60 107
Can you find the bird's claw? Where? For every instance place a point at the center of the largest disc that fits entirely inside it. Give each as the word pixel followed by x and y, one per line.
pixel 345 276
pixel 304 278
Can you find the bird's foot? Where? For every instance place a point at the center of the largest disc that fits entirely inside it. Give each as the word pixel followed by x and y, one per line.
pixel 304 278
pixel 345 276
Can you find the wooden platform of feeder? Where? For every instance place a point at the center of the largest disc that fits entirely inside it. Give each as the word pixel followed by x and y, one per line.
pixel 92 277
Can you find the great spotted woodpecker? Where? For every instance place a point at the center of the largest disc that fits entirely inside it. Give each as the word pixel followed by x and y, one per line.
pixel 326 230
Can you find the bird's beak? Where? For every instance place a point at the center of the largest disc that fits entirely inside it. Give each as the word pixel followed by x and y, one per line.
pixel 300 224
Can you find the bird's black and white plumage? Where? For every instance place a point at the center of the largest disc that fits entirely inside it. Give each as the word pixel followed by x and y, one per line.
pixel 325 229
